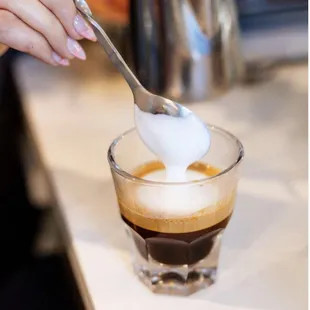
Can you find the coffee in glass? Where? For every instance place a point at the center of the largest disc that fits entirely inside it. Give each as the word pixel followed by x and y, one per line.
pixel 175 229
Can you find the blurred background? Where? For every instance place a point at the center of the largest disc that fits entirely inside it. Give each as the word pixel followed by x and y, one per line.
pixel 198 52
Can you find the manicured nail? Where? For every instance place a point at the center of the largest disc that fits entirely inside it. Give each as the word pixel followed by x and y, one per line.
pixel 76 49
pixel 83 28
pixel 60 60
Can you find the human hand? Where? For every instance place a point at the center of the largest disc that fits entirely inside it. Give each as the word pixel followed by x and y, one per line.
pixel 46 29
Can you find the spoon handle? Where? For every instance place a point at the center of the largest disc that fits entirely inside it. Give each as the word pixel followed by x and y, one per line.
pixel 113 54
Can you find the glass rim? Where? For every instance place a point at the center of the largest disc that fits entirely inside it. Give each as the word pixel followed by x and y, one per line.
pixel 127 175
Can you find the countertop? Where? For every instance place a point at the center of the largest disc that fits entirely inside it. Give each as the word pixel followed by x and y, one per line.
pixel 77 112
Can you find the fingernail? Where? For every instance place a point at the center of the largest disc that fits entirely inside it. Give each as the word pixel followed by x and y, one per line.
pixel 83 28
pixel 60 60
pixel 76 49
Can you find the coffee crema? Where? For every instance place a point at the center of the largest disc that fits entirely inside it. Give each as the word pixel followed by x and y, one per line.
pixel 212 211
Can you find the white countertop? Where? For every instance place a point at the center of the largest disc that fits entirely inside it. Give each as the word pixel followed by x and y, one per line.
pixel 263 265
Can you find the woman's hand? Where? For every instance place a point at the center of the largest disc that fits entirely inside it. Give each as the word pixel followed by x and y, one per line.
pixel 46 29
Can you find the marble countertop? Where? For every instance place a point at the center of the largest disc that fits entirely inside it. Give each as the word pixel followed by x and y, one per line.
pixel 77 112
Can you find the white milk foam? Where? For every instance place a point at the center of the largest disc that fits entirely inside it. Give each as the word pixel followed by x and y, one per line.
pixel 175 201
pixel 177 141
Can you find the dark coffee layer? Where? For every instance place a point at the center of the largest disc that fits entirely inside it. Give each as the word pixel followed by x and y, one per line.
pixel 175 248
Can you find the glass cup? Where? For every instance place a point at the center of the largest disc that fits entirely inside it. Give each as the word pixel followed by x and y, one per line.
pixel 175 229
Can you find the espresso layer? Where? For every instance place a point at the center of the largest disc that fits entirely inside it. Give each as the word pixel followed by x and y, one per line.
pixel 211 212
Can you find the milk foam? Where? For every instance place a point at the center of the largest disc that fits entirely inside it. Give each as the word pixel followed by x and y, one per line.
pixel 175 201
pixel 177 141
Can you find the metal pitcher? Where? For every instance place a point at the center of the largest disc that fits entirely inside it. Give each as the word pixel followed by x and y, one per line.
pixel 186 50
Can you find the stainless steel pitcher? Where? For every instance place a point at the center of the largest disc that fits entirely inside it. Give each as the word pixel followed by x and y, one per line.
pixel 186 50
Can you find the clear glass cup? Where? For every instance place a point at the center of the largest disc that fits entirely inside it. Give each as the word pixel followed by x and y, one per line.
pixel 176 254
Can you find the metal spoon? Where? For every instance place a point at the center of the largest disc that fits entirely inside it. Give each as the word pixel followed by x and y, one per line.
pixel 146 101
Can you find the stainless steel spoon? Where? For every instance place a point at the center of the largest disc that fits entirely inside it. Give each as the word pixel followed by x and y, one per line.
pixel 146 101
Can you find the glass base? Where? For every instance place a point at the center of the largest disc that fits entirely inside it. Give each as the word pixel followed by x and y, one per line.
pixel 173 280
pixel 180 280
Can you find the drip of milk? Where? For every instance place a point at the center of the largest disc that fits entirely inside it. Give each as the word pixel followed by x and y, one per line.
pixel 176 141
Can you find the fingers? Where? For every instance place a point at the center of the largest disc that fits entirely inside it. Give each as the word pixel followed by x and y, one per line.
pixel 38 17
pixel 73 23
pixel 18 35
pixel 54 24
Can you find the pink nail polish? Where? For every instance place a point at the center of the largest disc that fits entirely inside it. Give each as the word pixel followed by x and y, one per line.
pixel 60 60
pixel 83 28
pixel 65 62
pixel 76 49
